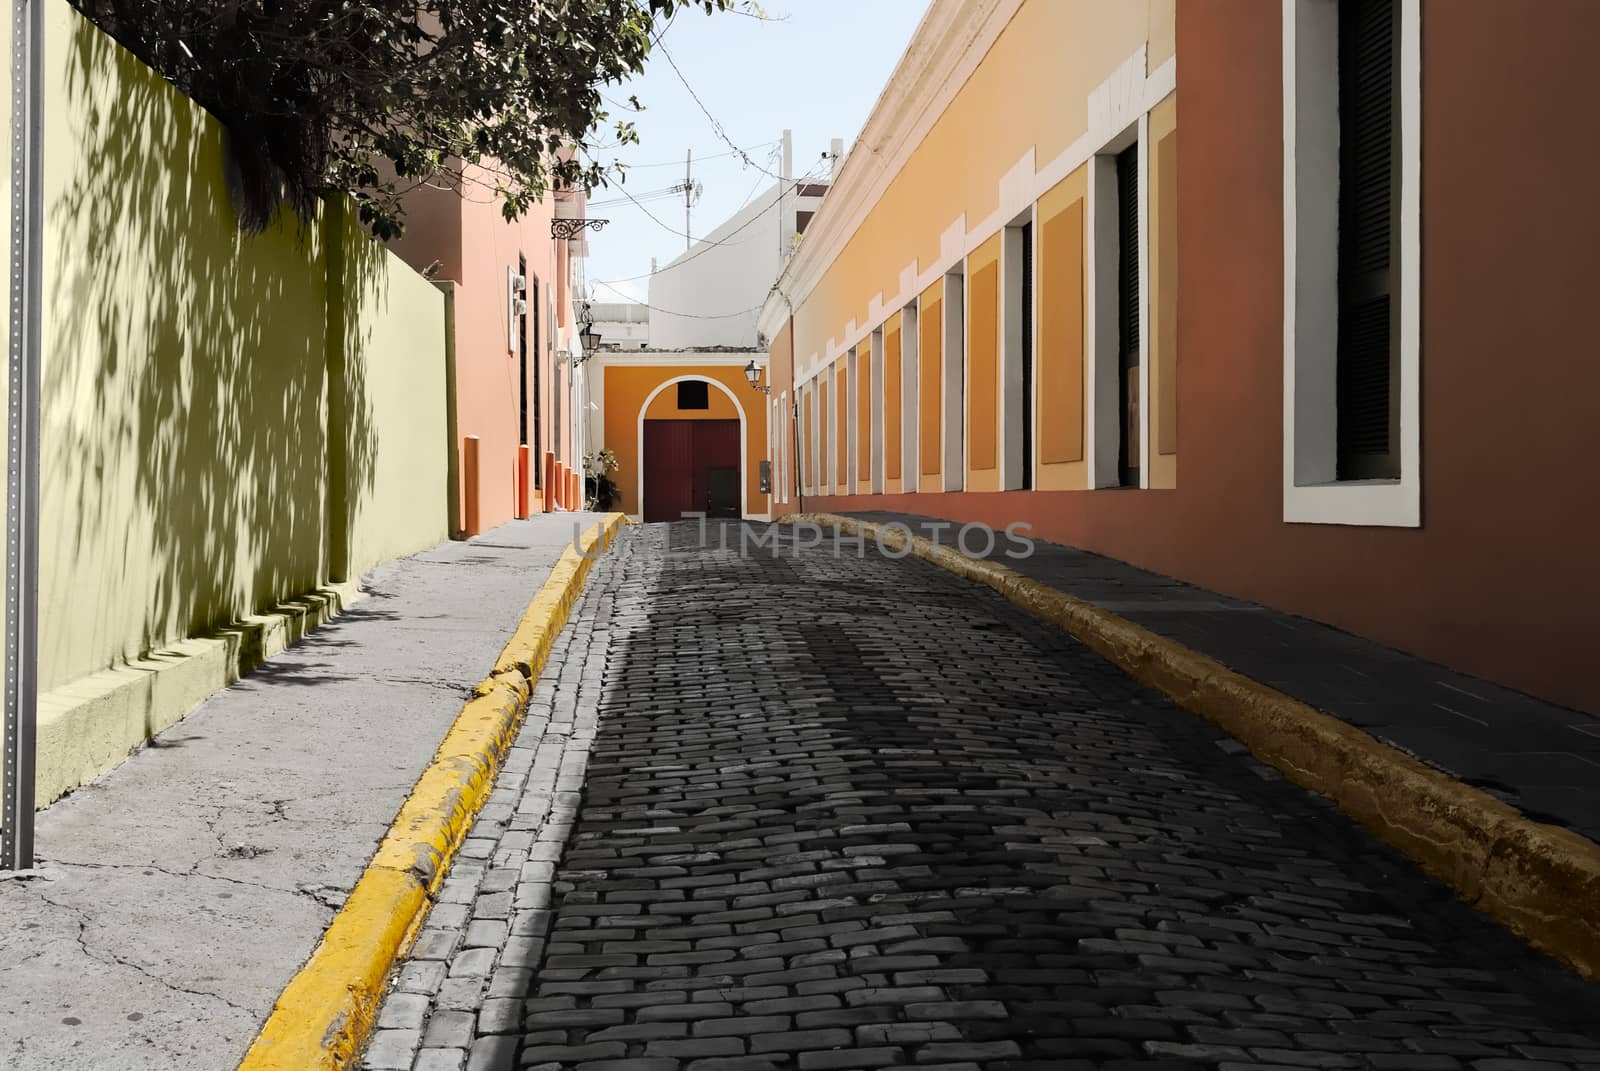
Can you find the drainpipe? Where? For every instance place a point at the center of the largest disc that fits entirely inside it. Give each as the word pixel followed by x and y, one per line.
pixel 794 401
pixel 22 438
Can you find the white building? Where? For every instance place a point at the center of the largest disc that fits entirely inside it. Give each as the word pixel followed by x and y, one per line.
pixel 622 325
pixel 709 297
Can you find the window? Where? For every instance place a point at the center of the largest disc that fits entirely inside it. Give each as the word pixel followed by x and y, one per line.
pixel 1016 353
pixel 952 355
pixel 694 394
pixel 1352 229
pixel 555 375
pixel 1128 442
pixel 521 317
pixel 1367 356
pixel 1115 299
pixel 1027 356
pixel 809 444
pixel 537 442
pixel 785 436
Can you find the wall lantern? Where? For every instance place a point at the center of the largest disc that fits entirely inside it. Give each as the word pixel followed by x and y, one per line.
pixel 587 335
pixel 752 372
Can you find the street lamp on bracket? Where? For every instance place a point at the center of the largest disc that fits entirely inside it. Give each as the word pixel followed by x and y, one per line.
pixel 752 372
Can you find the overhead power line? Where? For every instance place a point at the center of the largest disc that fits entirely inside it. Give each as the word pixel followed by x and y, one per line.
pixel 703 156
pixel 671 312
pixel 716 126
pixel 661 194
pixel 707 246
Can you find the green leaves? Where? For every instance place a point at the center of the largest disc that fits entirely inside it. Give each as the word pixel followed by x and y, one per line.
pixel 378 97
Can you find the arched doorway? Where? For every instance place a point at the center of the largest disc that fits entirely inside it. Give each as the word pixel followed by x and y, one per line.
pixel 691 449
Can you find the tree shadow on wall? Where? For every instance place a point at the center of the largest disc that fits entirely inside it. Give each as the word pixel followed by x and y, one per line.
pixel 185 451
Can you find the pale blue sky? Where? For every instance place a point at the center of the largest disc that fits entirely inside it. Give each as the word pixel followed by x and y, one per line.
pixel 817 69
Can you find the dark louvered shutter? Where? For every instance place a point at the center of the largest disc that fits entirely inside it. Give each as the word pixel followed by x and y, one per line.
pixel 537 352
pixel 1128 313
pixel 1128 248
pixel 1368 381
pixel 1027 356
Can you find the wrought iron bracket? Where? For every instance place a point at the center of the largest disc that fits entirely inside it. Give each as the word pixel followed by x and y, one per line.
pixel 571 228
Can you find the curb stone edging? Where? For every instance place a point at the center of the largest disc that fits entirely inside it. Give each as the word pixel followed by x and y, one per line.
pixel 322 1018
pixel 1541 882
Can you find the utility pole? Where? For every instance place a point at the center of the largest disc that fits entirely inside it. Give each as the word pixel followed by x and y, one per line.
pixel 786 198
pixel 688 194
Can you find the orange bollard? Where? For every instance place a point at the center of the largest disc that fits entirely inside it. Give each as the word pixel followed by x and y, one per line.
pixel 561 486
pixel 549 482
pixel 524 500
pixel 577 489
pixel 471 521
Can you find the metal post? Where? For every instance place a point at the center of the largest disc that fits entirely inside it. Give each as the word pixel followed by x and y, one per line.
pixel 524 470
pixel 471 516
pixel 22 469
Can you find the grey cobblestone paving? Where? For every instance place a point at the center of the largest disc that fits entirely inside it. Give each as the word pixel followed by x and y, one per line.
pixel 1541 758
pixel 799 812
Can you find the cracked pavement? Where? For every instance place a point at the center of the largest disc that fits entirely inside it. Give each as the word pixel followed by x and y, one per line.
pixel 179 892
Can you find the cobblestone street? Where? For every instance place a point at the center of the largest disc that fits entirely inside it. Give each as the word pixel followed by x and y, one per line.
pixel 805 811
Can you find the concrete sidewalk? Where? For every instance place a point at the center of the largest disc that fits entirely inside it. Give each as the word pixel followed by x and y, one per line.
pixel 1540 758
pixel 179 892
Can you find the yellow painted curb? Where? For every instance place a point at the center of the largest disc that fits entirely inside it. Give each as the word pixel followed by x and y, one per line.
pixel 323 1016
pixel 1540 881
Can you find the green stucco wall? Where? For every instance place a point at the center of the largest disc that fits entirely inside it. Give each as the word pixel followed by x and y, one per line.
pixel 227 422
pixel 397 472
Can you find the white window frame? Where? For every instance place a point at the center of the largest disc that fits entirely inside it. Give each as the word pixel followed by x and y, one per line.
pixel 1312 494
pixel 830 474
pixel 814 425
pixel 910 395
pixel 877 410
pixel 785 433
pixel 851 434
pixel 1013 419
pixel 1103 398
pixel 953 363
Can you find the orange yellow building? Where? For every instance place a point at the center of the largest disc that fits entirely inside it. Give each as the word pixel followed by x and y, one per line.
pixel 1152 276
pixel 689 434
pixel 997 174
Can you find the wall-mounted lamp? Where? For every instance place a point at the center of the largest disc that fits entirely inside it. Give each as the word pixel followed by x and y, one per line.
pixel 752 372
pixel 587 335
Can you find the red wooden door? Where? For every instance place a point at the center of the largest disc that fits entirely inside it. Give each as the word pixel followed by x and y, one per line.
pixel 678 458
pixel 668 483
pixel 716 455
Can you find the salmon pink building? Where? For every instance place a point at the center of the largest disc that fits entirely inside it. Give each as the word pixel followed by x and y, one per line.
pixel 1283 298
pixel 516 358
